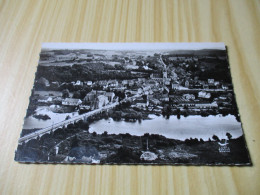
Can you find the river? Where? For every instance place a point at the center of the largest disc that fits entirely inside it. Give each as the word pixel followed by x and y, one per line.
pixel 181 129
pixel 186 127
pixel 31 122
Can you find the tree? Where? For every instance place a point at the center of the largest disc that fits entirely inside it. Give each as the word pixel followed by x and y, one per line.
pixel 67 117
pixel 77 95
pixel 74 142
pixel 65 93
pixel 185 113
pixel 215 138
pixel 144 97
pixel 229 136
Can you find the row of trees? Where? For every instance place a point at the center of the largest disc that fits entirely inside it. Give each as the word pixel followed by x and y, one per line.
pixel 215 138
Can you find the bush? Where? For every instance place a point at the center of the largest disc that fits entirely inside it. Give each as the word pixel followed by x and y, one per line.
pixel 215 138
pixel 105 133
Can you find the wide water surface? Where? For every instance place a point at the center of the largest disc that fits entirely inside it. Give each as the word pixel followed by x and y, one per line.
pixel 186 127
pixel 31 122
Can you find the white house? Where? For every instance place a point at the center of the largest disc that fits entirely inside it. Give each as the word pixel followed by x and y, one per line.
pixel 102 101
pixel 210 81
pixel 206 105
pixel 78 83
pixel 89 83
pixel 175 85
pixel 110 96
pixel 112 83
pixel 125 82
pixel 71 102
pixel 189 96
pixel 45 99
pixel 204 94
pixel 225 87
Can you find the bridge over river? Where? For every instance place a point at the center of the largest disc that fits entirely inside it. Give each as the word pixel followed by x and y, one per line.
pixel 55 126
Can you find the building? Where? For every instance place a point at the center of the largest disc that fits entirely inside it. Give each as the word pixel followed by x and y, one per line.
pixel 131 83
pixel 198 105
pixel 188 96
pixel 141 80
pixel 55 84
pixel 167 81
pixel 85 57
pixel 174 76
pixel 125 82
pixel 175 85
pixel 91 96
pixel 210 81
pixel 204 94
pixel 225 87
pixel 110 96
pixel 45 99
pixel 102 83
pixel 112 83
pixel 71 102
pixel 202 105
pixel 166 90
pixel 164 97
pixel 89 83
pixel 119 88
pixel 78 83
pixel 140 90
pixel 165 74
pixel 205 86
pixel 102 101
pixel 155 101
pixel 156 77
pixel 67 57
pixel 187 83
pixel 151 83
pixel 216 83
pixel 44 82
pixel 134 92
pixel 141 103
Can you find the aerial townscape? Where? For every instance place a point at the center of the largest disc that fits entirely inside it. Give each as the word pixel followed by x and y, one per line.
pixel 132 107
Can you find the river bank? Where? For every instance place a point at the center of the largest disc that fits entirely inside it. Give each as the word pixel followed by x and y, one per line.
pixel 77 145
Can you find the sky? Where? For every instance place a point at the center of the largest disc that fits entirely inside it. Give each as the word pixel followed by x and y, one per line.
pixel 135 46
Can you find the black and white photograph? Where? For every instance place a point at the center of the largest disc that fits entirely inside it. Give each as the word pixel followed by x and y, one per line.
pixel 133 103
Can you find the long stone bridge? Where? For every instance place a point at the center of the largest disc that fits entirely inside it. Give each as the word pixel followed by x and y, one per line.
pixel 56 126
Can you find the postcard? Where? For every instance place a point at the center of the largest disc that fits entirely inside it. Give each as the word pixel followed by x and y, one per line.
pixel 133 103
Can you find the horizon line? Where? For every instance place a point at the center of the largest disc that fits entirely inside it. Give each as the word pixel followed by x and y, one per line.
pixel 135 46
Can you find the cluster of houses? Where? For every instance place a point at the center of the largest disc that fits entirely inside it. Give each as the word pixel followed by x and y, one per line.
pixel 98 99
pixel 158 88
pixel 198 84
pixel 93 100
